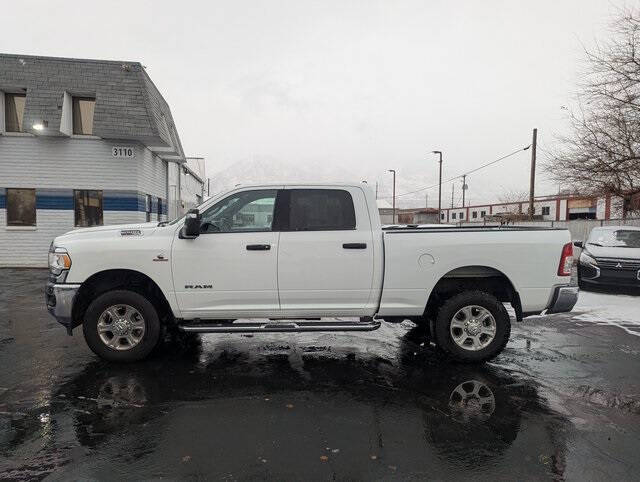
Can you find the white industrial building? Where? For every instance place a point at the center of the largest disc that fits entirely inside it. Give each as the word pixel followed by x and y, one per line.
pixel 561 207
pixel 84 143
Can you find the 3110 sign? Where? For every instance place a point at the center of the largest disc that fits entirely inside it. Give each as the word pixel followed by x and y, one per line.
pixel 119 151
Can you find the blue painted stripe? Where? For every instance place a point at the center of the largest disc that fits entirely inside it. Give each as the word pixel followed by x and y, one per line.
pixel 111 200
pixel 122 204
pixel 53 202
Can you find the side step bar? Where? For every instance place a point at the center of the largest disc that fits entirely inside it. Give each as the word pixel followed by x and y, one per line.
pixel 282 327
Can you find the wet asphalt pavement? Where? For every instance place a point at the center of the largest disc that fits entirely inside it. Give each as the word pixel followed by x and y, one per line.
pixel 562 402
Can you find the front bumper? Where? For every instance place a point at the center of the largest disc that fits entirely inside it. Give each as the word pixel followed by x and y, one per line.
pixel 564 299
pixel 59 298
pixel 608 276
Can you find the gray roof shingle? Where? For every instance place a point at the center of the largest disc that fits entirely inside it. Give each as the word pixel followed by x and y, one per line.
pixel 128 104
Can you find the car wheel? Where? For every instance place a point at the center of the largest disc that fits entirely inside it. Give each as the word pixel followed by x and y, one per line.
pixel 472 326
pixel 121 326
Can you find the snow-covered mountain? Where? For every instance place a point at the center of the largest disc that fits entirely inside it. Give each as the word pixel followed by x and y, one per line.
pixel 266 170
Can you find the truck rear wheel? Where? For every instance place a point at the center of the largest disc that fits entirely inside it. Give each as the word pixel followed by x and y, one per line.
pixel 472 327
pixel 121 326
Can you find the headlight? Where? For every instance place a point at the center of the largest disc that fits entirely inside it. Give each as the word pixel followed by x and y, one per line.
pixel 586 259
pixel 59 260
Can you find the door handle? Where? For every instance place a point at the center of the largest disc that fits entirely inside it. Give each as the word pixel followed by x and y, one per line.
pixel 258 247
pixel 354 245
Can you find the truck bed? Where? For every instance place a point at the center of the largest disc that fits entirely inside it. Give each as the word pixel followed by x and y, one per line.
pixel 447 228
pixel 417 257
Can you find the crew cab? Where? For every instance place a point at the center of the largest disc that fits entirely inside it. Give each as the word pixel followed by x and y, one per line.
pixel 297 258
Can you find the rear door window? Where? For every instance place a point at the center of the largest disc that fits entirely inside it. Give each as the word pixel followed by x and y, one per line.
pixel 320 210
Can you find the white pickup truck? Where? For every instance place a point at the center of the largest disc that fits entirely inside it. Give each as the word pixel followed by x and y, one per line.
pixel 293 258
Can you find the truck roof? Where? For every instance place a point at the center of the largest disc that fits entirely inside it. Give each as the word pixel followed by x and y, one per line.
pixel 302 183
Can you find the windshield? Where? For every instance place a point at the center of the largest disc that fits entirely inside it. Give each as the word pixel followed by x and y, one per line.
pixel 620 238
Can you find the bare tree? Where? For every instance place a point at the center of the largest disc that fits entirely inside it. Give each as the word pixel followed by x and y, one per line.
pixel 514 197
pixel 602 153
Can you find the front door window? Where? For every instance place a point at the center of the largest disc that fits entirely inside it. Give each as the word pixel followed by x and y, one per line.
pixel 248 211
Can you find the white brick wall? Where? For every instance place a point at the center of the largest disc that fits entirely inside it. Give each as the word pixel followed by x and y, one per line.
pixel 563 210
pixel 151 173
pixel 478 210
pixel 175 209
pixel 69 163
pixel 601 208
pixel 124 217
pixel 28 247
pixel 538 205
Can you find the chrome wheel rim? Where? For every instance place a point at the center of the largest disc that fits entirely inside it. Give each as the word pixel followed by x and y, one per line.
pixel 473 327
pixel 121 327
pixel 472 401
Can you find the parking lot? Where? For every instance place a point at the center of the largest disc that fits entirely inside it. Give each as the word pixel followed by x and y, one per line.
pixel 562 401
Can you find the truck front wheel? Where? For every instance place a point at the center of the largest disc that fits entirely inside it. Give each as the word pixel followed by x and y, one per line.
pixel 472 326
pixel 121 326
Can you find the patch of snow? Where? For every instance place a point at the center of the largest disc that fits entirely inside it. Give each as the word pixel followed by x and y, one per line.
pixel 622 311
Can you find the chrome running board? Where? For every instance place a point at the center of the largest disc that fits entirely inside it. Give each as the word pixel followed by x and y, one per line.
pixel 280 326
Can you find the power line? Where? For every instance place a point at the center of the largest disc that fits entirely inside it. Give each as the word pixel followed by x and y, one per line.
pixel 464 174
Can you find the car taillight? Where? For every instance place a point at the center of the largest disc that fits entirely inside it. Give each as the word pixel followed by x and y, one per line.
pixel 566 260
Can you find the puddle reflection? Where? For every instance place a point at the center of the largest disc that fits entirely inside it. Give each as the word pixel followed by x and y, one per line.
pixel 229 409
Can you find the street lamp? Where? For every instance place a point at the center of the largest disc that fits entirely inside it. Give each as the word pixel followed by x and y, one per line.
pixel 439 186
pixel 394 195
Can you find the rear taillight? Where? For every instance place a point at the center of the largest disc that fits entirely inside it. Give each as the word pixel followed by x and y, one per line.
pixel 566 260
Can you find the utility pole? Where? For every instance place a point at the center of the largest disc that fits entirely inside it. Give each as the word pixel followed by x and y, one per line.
pixel 376 189
pixel 426 200
pixel 439 185
pixel 453 190
pixel 533 172
pixel 394 195
pixel 464 187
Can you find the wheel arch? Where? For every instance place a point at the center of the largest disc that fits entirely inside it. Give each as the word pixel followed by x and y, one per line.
pixel 112 279
pixel 473 277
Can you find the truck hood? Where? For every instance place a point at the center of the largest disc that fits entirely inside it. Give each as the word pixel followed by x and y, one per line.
pixel 613 252
pixel 113 227
pixel 135 230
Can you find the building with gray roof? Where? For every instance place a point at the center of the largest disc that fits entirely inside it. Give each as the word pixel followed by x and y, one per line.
pixel 84 143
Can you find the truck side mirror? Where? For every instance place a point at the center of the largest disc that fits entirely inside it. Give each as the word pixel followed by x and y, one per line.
pixel 578 244
pixel 191 228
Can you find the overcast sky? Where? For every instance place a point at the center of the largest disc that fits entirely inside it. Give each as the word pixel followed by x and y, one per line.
pixel 360 86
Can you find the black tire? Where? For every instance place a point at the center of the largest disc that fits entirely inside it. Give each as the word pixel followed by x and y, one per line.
pixel 445 341
pixel 149 339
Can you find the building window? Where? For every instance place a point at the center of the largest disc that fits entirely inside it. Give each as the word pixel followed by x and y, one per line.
pixel 159 209
pixel 546 210
pixel 483 214
pixel 87 208
pixel 14 112
pixel 21 207
pixel 453 215
pixel 147 206
pixel 461 215
pixel 83 108
pixel 474 214
pixel 442 216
